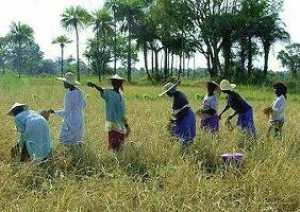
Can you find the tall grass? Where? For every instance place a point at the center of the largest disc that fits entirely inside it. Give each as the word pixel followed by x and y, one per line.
pixel 152 173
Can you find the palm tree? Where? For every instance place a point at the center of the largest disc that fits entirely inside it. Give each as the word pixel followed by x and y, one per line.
pixel 102 26
pixel 62 41
pixel 20 35
pixel 75 18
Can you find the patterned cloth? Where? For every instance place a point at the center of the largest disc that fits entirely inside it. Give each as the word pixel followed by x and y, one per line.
pixel 210 124
pixel 115 111
pixel 35 135
pixel 184 127
pixel 72 130
pixel 246 123
pixel 115 140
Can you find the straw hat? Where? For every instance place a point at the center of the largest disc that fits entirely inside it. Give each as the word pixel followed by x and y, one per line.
pixel 69 78
pixel 14 107
pixel 225 85
pixel 117 77
pixel 167 87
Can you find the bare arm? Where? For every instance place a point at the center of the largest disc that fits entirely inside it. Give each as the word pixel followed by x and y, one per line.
pixel 92 85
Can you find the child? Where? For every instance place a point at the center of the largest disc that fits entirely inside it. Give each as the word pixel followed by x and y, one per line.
pixel 276 112
pixel 116 123
pixel 208 112
pixel 240 107
pixel 183 124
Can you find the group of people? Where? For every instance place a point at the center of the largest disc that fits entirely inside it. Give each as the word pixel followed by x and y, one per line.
pixel 35 141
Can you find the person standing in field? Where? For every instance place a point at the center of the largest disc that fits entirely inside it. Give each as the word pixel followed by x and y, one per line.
pixel 209 111
pixel 72 130
pixel 35 143
pixel 276 112
pixel 116 122
pixel 183 121
pixel 241 108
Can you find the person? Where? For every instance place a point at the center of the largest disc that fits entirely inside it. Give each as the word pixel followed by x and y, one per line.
pixel 72 130
pixel 183 120
pixel 208 111
pixel 241 108
pixel 276 112
pixel 116 122
pixel 35 142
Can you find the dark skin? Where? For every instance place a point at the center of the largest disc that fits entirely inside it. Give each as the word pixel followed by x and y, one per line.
pixel 210 92
pixel 227 108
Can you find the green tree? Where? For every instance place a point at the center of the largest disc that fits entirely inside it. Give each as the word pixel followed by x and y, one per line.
pixel 19 36
pixel 290 58
pixel 75 18
pixel 62 41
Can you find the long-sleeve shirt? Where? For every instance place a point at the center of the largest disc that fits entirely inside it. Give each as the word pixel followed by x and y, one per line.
pixel 34 134
pixel 72 130
pixel 237 103
pixel 278 109
pixel 115 110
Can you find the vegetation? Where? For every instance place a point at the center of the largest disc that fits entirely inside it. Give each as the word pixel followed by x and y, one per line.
pixel 151 173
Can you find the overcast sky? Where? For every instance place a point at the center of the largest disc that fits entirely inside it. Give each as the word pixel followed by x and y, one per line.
pixel 44 17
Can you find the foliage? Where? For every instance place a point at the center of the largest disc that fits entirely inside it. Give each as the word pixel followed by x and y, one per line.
pixel 290 57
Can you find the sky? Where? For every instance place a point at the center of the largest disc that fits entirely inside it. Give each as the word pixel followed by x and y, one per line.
pixel 44 17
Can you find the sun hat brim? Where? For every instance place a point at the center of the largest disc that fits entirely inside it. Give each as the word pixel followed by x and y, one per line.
pixel 166 91
pixel 14 107
pixel 232 86
pixel 66 81
pixel 117 78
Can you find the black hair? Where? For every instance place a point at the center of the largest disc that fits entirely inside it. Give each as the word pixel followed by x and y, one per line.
pixel 18 110
pixel 281 87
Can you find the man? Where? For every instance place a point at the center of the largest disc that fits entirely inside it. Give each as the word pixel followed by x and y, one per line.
pixel 34 143
pixel 72 130
pixel 116 123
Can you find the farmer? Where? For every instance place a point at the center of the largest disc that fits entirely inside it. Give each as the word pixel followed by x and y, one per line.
pixel 116 122
pixel 208 111
pixel 72 130
pixel 34 143
pixel 276 111
pixel 240 107
pixel 183 121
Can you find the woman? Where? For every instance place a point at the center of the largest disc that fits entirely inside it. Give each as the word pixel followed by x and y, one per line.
pixel 240 107
pixel 183 122
pixel 276 111
pixel 208 111
pixel 72 130
pixel 116 122
pixel 35 142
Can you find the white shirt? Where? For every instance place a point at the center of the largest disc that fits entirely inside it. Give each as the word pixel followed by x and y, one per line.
pixel 209 102
pixel 72 129
pixel 278 109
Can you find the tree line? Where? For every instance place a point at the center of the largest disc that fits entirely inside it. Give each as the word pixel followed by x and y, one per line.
pixel 229 34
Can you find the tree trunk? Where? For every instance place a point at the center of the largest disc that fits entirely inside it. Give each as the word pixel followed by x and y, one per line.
pixel 146 61
pixel 98 61
pixel 19 59
pixel 166 73
pixel 129 49
pixel 77 51
pixel 62 60
pixel 266 57
pixel 152 62
pixel 172 64
pixel 250 66
pixel 156 65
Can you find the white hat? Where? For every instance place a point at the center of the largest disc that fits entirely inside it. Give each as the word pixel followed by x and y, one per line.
pixel 116 77
pixel 225 85
pixel 69 78
pixel 167 87
pixel 14 107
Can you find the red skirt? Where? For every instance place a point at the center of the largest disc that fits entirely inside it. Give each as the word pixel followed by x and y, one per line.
pixel 115 140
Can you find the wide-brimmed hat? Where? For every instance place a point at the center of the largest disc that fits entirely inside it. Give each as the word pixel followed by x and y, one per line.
pixel 225 85
pixel 69 78
pixel 117 77
pixel 168 87
pixel 14 107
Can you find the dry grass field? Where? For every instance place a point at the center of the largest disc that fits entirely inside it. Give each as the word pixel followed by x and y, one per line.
pixel 151 173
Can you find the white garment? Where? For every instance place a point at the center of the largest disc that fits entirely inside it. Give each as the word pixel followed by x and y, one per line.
pixel 72 130
pixel 278 109
pixel 209 102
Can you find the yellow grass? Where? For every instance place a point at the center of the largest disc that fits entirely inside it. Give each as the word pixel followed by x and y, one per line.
pixel 151 173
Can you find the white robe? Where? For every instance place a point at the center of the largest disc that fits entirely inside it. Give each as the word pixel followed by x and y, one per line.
pixel 72 130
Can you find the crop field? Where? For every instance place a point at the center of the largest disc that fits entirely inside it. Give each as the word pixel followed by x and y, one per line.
pixel 152 172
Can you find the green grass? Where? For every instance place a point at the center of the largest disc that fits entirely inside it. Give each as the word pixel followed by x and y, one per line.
pixel 151 173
